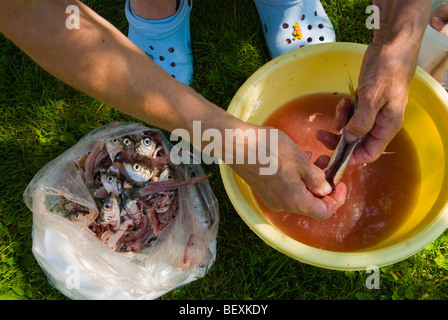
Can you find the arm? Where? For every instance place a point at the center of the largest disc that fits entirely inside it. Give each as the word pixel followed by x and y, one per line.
pixel 100 61
pixel 96 59
pixel 388 68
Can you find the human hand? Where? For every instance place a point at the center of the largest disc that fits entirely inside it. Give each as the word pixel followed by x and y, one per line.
pixel 382 97
pixel 298 185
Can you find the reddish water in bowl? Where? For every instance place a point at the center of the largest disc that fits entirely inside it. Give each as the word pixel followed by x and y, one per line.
pixel 380 195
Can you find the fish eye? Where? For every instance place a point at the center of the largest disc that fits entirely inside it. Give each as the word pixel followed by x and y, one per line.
pixel 146 141
pixel 115 140
pixel 76 216
pixel 110 179
pixel 107 206
pixel 136 167
pixel 127 141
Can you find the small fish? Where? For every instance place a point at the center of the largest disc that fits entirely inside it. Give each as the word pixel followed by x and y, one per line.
pixel 111 183
pixel 135 190
pixel 138 172
pixel 83 218
pixel 202 202
pixel 76 216
pixel 166 174
pixel 110 212
pixel 116 145
pixel 146 147
pixel 167 185
pixel 113 147
pixel 77 213
pixel 341 155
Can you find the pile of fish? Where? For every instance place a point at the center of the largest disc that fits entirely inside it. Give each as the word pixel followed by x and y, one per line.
pixel 134 186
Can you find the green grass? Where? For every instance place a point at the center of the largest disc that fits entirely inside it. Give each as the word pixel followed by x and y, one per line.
pixel 41 117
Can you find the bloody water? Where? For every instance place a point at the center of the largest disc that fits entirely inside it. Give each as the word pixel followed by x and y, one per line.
pixel 380 195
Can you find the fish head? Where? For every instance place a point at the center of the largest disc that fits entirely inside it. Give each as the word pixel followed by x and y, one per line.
pixel 138 172
pixel 166 174
pixel 111 183
pixel 82 218
pixel 146 146
pixel 114 146
pixel 110 208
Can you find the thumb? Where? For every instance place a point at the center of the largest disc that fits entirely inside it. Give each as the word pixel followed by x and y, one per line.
pixel 360 123
pixel 314 179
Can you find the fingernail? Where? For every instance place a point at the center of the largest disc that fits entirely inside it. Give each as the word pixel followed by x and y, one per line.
pixel 328 189
pixel 349 137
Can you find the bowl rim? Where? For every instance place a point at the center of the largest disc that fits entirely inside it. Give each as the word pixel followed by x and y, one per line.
pixel 351 261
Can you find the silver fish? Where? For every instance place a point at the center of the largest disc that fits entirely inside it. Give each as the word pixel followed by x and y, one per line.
pixel 146 147
pixel 75 212
pixel 111 183
pixel 341 155
pixel 166 174
pixel 113 147
pixel 76 216
pixel 138 172
pixel 110 212
pixel 116 145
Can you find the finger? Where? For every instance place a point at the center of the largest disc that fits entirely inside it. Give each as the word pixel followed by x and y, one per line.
pixel 322 161
pixel 335 200
pixel 388 124
pixel 322 209
pixel 328 139
pixel 362 121
pixel 309 154
pixel 314 179
pixel 388 121
pixel 342 113
pixel 367 151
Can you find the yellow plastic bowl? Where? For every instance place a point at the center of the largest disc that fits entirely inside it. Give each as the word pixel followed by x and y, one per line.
pixel 326 68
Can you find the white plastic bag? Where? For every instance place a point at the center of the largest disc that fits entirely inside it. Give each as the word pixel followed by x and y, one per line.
pixel 81 266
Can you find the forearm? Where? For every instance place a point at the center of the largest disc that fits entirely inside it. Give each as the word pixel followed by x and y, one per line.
pixel 395 45
pixel 387 71
pixel 402 25
pixel 100 61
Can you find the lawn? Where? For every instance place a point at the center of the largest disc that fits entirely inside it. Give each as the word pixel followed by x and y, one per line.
pixel 41 117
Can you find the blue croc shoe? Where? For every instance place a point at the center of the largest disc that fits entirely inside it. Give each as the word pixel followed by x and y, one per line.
pixel 166 41
pixel 291 24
